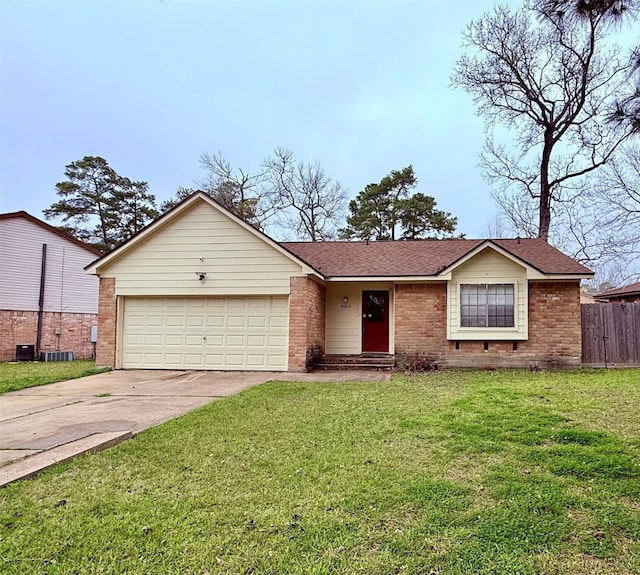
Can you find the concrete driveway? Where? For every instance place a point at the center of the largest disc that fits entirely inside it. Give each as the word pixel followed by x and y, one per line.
pixel 48 424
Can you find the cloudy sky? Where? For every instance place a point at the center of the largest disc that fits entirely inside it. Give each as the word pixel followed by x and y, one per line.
pixel 362 87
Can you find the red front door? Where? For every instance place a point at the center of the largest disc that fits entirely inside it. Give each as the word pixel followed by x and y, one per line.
pixel 375 321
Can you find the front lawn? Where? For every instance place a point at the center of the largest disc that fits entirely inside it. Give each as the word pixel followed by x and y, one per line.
pixel 20 375
pixel 459 472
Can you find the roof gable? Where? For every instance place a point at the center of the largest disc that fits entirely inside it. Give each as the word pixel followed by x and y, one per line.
pixel 166 220
pixel 49 228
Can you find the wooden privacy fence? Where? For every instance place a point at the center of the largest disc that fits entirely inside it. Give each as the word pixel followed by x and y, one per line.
pixel 611 334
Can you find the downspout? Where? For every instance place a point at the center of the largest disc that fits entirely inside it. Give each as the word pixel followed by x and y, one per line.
pixel 43 273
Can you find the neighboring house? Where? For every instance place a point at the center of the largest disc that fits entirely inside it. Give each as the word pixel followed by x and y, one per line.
pixel 628 293
pixel 201 289
pixel 586 298
pixel 46 299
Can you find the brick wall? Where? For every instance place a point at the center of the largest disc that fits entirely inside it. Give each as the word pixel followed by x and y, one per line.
pixel 107 319
pixel 554 329
pixel 421 320
pixel 20 327
pixel 555 335
pixel 306 323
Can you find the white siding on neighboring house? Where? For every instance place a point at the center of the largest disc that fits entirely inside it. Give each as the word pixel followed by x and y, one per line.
pixel 202 239
pixel 344 322
pixel 67 287
pixel 488 267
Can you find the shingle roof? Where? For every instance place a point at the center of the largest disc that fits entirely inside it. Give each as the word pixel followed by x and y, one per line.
pixel 421 258
pixel 626 290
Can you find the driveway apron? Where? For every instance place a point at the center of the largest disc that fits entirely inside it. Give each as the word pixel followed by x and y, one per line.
pixel 44 425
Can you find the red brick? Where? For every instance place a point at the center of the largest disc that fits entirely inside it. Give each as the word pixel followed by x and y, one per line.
pixel 21 327
pixel 107 314
pixel 554 329
pixel 306 323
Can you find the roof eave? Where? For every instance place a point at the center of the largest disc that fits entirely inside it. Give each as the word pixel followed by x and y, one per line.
pixel 383 278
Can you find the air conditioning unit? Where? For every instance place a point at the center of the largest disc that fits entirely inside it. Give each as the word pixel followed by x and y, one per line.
pixel 25 352
pixel 56 356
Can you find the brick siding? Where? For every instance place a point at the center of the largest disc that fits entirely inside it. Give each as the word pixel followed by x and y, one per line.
pixel 421 320
pixel 554 329
pixel 306 323
pixel 21 327
pixel 107 318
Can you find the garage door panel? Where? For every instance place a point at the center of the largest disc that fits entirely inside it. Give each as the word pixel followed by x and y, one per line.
pixel 193 340
pixel 194 321
pixel 206 333
pixel 215 321
pixel 153 359
pixel 256 360
pixel 236 341
pixel 277 361
pixel 133 339
pixel 276 321
pixel 256 341
pixel 134 319
pixel 215 340
pixel 214 359
pixel 173 359
pixel 175 321
pixel 153 339
pixel 277 341
pixel 281 304
pixel 194 360
pixel 236 321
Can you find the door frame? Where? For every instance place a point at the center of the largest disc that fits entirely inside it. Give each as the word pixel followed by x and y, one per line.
pixel 388 319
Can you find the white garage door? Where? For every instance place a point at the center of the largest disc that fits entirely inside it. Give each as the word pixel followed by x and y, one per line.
pixel 243 333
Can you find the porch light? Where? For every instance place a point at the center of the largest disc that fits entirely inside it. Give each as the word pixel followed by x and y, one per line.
pixel 345 299
pixel 201 275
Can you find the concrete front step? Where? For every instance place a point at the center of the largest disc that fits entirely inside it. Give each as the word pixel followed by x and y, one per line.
pixel 357 362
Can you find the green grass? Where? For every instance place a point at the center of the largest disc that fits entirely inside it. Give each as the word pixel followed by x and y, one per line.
pixel 20 375
pixel 458 472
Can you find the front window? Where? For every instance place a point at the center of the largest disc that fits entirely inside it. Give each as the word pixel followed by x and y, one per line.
pixel 486 305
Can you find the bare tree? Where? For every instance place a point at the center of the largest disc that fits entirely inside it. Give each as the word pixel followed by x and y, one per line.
pixel 249 196
pixel 312 203
pixel 497 228
pixel 546 81
pixel 615 197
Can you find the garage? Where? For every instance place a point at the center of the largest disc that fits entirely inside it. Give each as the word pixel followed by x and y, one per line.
pixel 214 333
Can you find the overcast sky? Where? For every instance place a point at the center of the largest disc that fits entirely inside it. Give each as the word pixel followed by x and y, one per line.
pixel 362 87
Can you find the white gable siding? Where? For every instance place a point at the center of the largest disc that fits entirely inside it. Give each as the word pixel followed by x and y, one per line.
pixel 202 239
pixel 67 287
pixel 488 267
